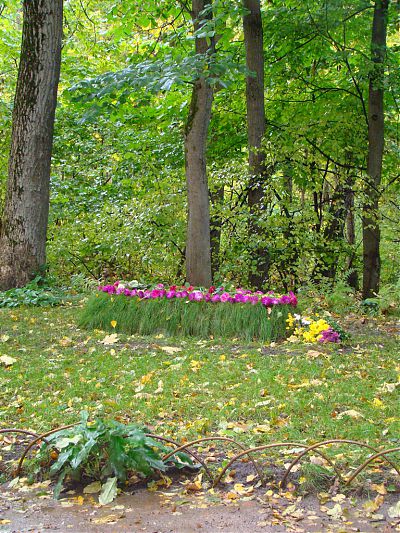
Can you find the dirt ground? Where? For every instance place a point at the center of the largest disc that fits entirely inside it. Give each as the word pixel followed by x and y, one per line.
pixel 23 509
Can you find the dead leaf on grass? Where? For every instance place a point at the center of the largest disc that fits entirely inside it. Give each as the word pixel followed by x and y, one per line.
pixel 110 339
pixel 6 360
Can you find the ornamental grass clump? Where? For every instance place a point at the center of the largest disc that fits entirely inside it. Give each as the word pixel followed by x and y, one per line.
pixel 189 311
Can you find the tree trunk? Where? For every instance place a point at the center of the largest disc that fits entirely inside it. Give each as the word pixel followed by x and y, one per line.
pixel 217 200
pixel 198 253
pixel 349 196
pixel 24 223
pixel 253 37
pixel 370 222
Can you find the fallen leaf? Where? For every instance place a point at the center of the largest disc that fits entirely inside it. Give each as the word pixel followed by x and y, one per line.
pixel 110 518
pixel 170 349
pixel 336 512
pixel 351 413
pixel 7 360
pixel 380 489
pixel 160 387
pixel 93 488
pixel 394 511
pixel 110 339
pixel 108 491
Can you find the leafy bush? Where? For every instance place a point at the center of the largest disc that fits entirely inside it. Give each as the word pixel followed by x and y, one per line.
pixel 105 451
pixel 36 293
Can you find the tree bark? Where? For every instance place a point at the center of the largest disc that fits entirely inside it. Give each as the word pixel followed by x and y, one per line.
pixel 217 200
pixel 376 139
pixel 23 226
pixel 253 37
pixel 198 253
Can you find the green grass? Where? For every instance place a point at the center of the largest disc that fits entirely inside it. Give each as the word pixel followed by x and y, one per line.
pixel 257 393
pixel 183 318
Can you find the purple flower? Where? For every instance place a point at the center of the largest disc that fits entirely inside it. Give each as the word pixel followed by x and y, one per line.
pixel 329 335
pixel 225 297
pixel 171 294
pixel 197 295
pixel 216 298
pixel 267 301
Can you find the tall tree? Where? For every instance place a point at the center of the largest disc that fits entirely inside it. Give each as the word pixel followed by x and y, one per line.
pixel 24 223
pixel 198 253
pixel 376 139
pixel 253 37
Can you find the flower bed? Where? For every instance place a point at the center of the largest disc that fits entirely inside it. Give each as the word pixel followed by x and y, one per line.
pixel 190 311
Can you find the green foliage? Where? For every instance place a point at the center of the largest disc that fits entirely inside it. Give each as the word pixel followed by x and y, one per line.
pixel 387 301
pixel 105 450
pixel 181 318
pixel 36 293
pixel 118 206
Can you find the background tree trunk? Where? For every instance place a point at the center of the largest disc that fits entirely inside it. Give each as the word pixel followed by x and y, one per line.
pixel 376 138
pixel 217 200
pixel 253 37
pixel 198 252
pixel 24 223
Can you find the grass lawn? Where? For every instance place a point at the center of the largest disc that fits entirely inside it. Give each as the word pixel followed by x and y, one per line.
pixel 189 388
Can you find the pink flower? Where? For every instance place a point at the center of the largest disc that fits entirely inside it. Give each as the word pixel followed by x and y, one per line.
pixel 198 296
pixel 225 297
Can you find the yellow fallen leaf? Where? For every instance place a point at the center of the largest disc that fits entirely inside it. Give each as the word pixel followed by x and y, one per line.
pixel 373 505
pixel 376 402
pixel 106 519
pixel 380 489
pixel 262 428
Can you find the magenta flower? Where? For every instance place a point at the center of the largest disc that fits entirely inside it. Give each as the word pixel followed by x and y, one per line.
pixel 197 295
pixel 329 335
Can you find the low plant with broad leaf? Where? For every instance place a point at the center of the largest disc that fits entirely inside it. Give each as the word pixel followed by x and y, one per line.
pixel 105 451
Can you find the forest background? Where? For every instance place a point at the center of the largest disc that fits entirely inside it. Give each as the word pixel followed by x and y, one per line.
pixel 118 190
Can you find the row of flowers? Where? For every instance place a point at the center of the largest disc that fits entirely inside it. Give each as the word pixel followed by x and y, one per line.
pixel 213 294
pixel 310 330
